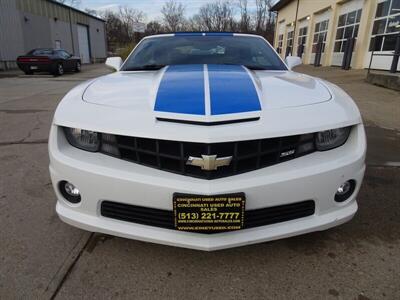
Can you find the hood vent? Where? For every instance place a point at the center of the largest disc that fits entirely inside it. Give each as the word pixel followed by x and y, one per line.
pixel 214 123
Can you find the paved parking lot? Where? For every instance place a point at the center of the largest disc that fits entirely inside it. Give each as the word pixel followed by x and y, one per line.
pixel 41 257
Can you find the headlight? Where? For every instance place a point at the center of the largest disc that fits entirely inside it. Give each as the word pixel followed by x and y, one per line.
pixel 329 139
pixel 83 139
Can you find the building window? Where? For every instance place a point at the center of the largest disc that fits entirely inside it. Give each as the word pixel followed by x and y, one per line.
pixel 320 32
pixel 348 25
pixel 386 26
pixel 289 43
pixel 280 43
pixel 302 39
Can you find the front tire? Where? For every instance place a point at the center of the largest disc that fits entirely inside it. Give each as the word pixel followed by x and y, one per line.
pixel 59 70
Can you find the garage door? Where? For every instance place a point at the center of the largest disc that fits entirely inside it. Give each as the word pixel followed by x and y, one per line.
pixel 322 24
pixel 384 32
pixel 83 41
pixel 347 27
pixel 281 33
pixel 303 30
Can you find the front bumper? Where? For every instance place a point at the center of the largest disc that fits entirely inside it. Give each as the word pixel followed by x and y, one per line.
pixel 100 177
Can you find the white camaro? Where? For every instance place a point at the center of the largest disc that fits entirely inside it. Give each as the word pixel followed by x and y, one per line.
pixel 206 141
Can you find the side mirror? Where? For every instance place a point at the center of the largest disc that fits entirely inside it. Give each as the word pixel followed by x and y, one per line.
pixel 293 61
pixel 114 62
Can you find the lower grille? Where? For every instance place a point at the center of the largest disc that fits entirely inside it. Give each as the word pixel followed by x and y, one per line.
pixel 165 218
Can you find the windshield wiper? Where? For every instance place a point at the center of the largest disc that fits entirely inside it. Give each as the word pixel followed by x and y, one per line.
pixel 255 68
pixel 250 67
pixel 145 68
pixel 152 67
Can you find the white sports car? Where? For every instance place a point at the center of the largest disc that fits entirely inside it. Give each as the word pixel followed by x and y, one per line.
pixel 206 141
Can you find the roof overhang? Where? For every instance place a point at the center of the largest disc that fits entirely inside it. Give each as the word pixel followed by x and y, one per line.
pixel 77 10
pixel 281 4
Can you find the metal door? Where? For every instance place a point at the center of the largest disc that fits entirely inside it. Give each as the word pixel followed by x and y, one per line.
pixel 83 42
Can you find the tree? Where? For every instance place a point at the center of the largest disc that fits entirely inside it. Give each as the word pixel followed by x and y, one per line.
pixel 92 12
pixel 244 23
pixel 115 32
pixel 264 15
pixel 130 16
pixel 173 15
pixel 120 26
pixel 195 24
pixel 265 19
pixel 261 10
pixel 217 16
pixel 154 27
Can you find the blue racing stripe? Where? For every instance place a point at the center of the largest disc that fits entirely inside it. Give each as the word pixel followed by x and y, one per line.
pixel 181 90
pixel 231 90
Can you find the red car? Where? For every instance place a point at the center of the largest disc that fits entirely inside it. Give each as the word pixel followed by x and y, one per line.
pixel 54 61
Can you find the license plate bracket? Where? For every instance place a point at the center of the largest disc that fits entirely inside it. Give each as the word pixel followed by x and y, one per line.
pixel 209 214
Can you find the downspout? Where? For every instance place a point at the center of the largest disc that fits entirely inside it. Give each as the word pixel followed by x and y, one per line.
pixel 105 38
pixel 295 26
pixel 70 28
pixel 1 68
pixel 276 35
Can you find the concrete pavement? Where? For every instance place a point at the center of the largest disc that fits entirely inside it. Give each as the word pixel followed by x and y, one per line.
pixel 41 257
pixel 379 106
pixel 36 248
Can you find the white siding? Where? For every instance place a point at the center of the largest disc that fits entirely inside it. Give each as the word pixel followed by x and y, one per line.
pixel 27 24
pixel 11 41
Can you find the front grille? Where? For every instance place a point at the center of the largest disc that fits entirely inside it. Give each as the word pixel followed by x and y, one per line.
pixel 171 156
pixel 165 218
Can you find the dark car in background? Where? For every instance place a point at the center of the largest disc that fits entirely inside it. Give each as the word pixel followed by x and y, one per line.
pixel 54 61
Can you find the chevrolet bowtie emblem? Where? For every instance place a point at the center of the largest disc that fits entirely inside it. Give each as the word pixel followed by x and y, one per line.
pixel 209 162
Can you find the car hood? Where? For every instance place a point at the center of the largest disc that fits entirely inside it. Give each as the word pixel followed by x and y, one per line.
pixel 206 93
pixel 125 103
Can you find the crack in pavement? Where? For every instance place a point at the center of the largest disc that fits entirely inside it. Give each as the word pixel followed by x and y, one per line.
pixel 385 166
pixel 42 93
pixel 65 269
pixel 22 142
pixel 22 111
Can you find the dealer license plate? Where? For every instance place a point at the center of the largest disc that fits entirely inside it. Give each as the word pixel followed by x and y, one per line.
pixel 208 214
pixel 34 67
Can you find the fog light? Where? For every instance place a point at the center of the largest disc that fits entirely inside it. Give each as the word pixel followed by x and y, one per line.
pixel 70 192
pixel 345 190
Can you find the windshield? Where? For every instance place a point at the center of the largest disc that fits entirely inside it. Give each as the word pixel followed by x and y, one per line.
pixel 155 53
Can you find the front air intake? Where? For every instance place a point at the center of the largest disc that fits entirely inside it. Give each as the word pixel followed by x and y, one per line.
pixel 165 218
